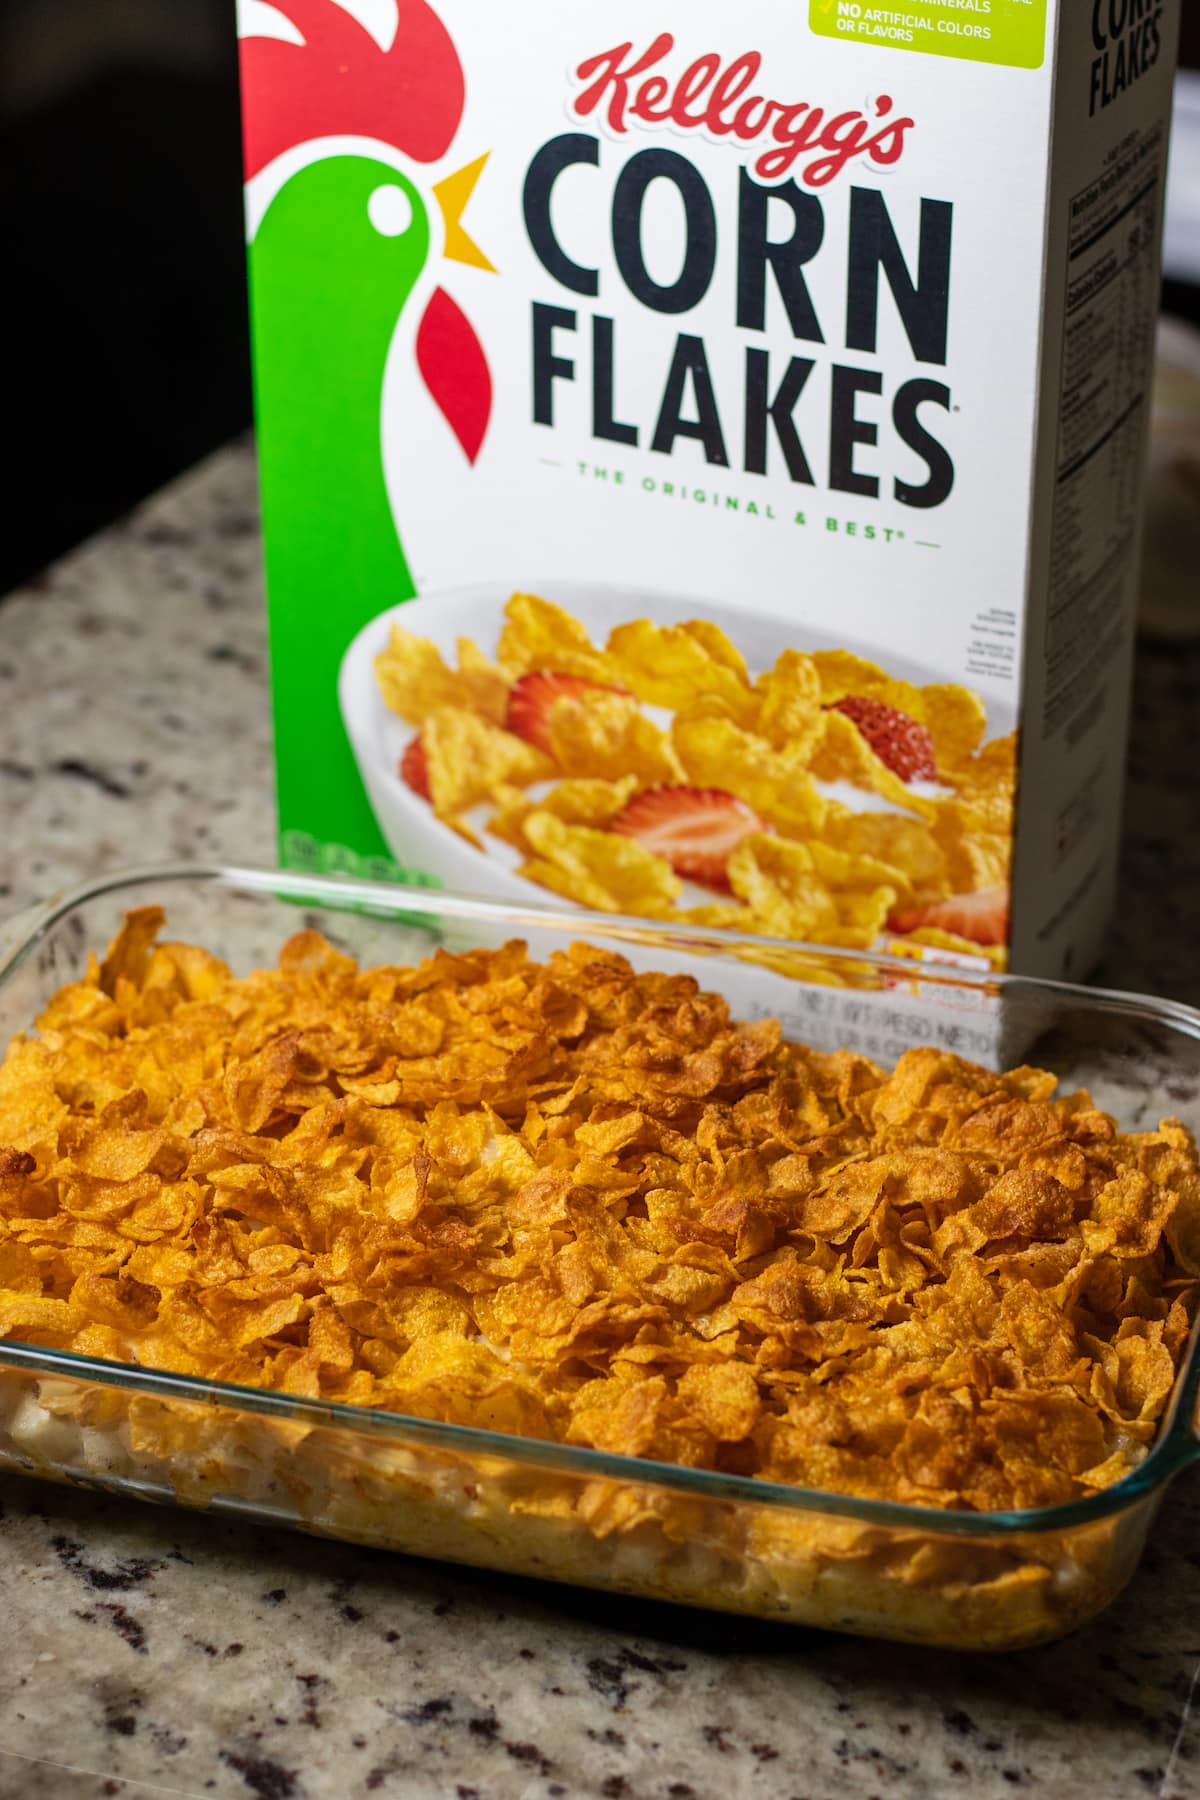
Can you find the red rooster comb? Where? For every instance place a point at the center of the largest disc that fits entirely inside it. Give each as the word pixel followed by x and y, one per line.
pixel 339 83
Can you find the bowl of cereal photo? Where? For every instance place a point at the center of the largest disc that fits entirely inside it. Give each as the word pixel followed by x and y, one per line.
pixel 658 755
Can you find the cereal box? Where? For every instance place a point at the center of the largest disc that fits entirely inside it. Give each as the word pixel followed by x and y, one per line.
pixel 701 452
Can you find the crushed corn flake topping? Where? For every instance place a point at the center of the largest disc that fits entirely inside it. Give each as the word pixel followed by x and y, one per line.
pixel 574 1202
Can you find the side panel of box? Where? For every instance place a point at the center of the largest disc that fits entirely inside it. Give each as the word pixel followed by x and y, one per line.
pixel 1101 293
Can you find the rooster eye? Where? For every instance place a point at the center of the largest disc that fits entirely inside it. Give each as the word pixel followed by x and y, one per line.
pixel 390 211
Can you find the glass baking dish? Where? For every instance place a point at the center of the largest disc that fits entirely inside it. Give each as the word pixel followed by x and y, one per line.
pixel 984 1581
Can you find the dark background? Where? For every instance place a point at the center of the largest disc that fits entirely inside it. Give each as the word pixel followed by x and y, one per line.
pixel 125 337
pixel 125 344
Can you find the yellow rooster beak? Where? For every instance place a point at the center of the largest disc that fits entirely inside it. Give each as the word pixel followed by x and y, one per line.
pixel 452 193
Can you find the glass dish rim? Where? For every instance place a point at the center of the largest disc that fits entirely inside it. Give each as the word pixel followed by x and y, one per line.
pixel 1178 1443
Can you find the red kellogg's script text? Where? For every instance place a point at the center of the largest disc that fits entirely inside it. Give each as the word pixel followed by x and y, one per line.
pixel 716 97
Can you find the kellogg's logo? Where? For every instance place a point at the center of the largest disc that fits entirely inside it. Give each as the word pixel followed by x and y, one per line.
pixel 716 98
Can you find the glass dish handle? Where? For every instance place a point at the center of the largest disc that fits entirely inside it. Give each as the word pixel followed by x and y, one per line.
pixel 1191 1422
pixel 15 931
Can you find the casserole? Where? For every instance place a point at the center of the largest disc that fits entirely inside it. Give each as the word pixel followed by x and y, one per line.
pixel 987 1580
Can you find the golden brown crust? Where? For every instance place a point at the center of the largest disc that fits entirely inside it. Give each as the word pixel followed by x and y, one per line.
pixel 575 1202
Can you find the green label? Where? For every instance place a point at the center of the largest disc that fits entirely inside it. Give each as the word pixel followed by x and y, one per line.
pixel 1012 32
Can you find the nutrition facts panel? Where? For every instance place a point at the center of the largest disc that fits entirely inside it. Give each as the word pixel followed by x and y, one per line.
pixel 1107 366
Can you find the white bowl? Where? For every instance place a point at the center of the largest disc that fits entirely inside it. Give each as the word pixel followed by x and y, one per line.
pixel 415 835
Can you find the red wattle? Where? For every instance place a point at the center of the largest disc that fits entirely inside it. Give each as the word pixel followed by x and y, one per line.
pixel 455 370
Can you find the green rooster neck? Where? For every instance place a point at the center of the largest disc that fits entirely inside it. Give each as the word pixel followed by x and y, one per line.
pixel 335 258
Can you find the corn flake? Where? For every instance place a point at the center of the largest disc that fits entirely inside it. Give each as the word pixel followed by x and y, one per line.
pixel 671 665
pixel 843 754
pixel 582 800
pixel 608 737
pixel 539 635
pixel 468 759
pixel 597 868
pixel 715 752
pixel 415 679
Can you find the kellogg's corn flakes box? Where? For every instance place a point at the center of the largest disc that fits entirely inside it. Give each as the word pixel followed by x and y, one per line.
pixel 701 451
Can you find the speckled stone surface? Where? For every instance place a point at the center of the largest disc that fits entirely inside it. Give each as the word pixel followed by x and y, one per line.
pixel 152 1652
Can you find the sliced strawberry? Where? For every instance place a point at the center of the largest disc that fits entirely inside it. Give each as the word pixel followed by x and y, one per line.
pixel 414 768
pixel 982 916
pixel 895 737
pixel 532 697
pixel 695 829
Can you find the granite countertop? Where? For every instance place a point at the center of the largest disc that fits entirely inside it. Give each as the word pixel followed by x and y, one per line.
pixel 156 1652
